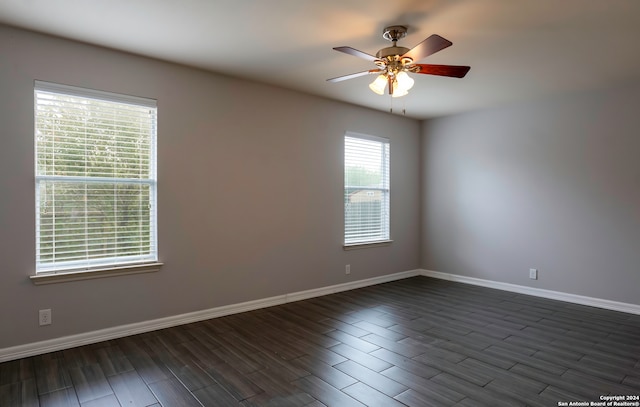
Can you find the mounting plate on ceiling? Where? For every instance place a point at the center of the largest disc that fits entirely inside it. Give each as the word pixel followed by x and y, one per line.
pixel 394 32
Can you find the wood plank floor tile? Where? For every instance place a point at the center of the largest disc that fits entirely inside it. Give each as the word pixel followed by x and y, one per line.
pixel 522 383
pixel 632 381
pixel 584 391
pixel 468 402
pixel 283 368
pixel 424 386
pixel 339 313
pixel 302 319
pixel 112 360
pixel 510 388
pixel 268 400
pixel 342 327
pixel 407 349
pixel 131 390
pixel 16 371
pixel 471 376
pixel 192 376
pixel 326 393
pixel 90 382
pixel 373 379
pixel 215 396
pixel 353 341
pixel 442 353
pixel 60 398
pixel 278 391
pixel 305 335
pixel 360 357
pixel 51 375
pixel 526 360
pixel 419 336
pixel 476 392
pixel 420 325
pixel 590 350
pixel 600 384
pixel 371 397
pixel 171 392
pixel 612 373
pixel 412 398
pixel 327 373
pixel 107 401
pixel 236 383
pixel 503 343
pixel 531 346
pixel 19 394
pixel 150 369
pixel 554 395
pixel 326 355
pixel 494 360
pixel 197 351
pixel 79 357
pixel 543 334
pixel 380 331
pixel 240 361
pixel 405 313
pixel 408 364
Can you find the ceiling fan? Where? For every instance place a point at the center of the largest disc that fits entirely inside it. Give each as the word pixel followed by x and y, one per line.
pixel 394 62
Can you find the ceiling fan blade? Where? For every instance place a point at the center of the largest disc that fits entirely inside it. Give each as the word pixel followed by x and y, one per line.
pixel 454 71
pixel 428 47
pixel 356 53
pixel 353 75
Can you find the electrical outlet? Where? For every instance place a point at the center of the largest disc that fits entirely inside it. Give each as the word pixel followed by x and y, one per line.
pixel 45 317
pixel 533 274
pixel 347 269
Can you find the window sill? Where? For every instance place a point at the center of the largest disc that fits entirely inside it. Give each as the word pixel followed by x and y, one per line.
pixel 63 276
pixel 367 245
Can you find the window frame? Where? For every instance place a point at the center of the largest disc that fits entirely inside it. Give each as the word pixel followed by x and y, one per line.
pixel 118 264
pixel 350 244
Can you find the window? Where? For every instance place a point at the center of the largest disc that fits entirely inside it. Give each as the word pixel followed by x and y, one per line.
pixel 95 179
pixel 366 189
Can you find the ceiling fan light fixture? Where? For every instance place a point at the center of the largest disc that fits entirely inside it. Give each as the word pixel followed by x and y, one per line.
pixel 379 84
pixel 398 91
pixel 405 82
pixel 401 84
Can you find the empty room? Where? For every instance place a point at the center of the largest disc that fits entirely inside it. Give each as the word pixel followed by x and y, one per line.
pixel 297 203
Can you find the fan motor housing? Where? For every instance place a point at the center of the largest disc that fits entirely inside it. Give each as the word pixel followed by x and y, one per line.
pixel 391 51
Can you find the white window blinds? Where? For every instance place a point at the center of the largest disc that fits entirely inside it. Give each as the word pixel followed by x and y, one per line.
pixel 366 189
pixel 95 178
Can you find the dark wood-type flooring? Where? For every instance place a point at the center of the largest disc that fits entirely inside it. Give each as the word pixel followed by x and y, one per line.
pixel 413 342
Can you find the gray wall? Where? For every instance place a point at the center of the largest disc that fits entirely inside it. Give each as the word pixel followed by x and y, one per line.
pixel 250 191
pixel 553 185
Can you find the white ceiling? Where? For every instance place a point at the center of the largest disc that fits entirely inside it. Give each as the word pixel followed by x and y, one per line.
pixel 517 49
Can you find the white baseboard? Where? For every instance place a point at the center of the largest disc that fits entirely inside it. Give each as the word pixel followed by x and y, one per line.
pixel 66 342
pixel 538 292
pixel 317 292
